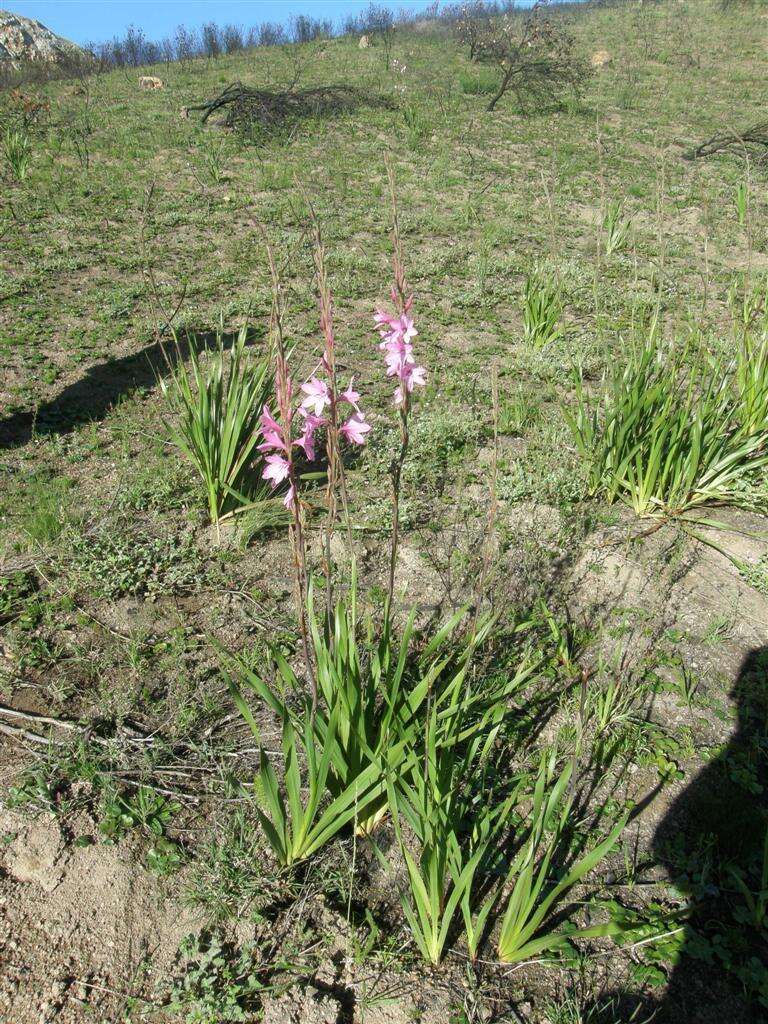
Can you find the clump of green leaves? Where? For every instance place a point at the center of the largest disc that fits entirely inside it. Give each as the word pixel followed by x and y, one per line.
pixel 542 311
pixel 534 892
pixel 741 199
pixel 667 440
pixel 752 384
pixel 442 794
pixel 215 406
pixel 218 982
pixel 369 712
pixel 616 228
pixel 17 150
pixel 482 83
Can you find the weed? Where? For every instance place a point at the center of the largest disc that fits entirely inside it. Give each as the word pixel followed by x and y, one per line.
pixel 15 590
pixel 218 982
pixel 113 563
pixel 756 574
pixel 143 809
pixel 40 505
pixel 228 874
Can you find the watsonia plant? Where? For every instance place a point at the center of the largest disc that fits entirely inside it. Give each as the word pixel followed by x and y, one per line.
pixel 665 439
pixel 542 312
pixel 302 821
pixel 17 150
pixel 214 406
pixel 539 879
pixel 371 695
pixel 752 384
pixel 616 228
pixel 443 797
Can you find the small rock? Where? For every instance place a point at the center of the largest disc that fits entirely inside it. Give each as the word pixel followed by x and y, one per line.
pixel 600 59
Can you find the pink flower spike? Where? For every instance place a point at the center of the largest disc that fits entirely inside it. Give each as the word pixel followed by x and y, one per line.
pixel 317 394
pixel 276 471
pixel 355 429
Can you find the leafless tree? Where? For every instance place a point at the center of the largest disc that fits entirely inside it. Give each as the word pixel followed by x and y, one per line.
pixel 536 56
pixel 470 23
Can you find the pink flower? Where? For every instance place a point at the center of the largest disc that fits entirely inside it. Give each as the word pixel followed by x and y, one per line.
pixel 395 328
pixel 290 498
pixel 415 375
pixel 270 430
pixel 307 439
pixel 277 469
pixel 355 428
pixel 351 396
pixel 317 394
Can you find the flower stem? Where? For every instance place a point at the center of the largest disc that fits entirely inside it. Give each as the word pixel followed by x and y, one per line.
pixel 397 473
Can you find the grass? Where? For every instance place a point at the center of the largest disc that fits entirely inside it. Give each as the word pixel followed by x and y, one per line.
pixel 537 244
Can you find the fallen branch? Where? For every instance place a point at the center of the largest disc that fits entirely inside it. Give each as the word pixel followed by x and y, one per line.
pixel 59 723
pixel 754 138
pixel 248 108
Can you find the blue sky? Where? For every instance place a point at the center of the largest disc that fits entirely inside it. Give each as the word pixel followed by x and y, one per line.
pixel 96 20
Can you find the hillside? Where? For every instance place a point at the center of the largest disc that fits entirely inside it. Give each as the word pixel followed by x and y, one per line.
pixel 137 881
pixel 25 39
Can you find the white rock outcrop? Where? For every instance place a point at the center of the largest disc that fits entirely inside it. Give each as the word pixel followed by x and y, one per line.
pixel 24 39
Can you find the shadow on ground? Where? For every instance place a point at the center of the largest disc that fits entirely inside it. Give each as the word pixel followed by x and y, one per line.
pixel 712 842
pixel 91 397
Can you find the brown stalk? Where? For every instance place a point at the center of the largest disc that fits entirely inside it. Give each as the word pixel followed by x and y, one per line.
pixel 298 545
pixel 402 303
pixel 336 483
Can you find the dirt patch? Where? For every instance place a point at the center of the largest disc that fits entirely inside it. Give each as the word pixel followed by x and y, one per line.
pixel 77 923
